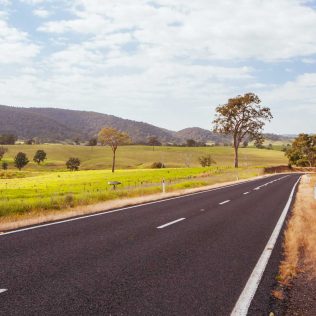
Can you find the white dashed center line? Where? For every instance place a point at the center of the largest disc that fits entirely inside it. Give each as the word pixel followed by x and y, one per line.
pixel 171 223
pixel 3 290
pixel 225 202
pixel 246 193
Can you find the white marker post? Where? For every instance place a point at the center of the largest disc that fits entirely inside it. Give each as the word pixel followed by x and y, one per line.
pixel 163 186
pixel 315 192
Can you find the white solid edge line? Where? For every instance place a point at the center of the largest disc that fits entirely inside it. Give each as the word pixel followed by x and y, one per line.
pixel 248 293
pixel 171 223
pixel 122 209
pixel 3 290
pixel 225 202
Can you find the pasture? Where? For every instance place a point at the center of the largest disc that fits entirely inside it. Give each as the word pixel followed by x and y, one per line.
pixel 51 187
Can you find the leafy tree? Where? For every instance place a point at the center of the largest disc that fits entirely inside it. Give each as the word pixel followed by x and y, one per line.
pixel 5 165
pixel 191 143
pixel 245 143
pixel 153 141
pixel 113 138
pixel 157 165
pixel 8 139
pixel 77 141
pixel 73 164
pixel 30 141
pixel 242 117
pixel 40 156
pixel 20 160
pixel 3 150
pixel 303 151
pixel 206 161
pixel 93 141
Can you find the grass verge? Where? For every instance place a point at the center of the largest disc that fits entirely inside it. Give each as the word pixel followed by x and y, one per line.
pixel 300 234
pixel 49 209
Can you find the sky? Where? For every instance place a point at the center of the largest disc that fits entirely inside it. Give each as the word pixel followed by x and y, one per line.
pixel 165 62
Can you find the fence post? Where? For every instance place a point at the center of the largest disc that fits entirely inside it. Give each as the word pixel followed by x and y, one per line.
pixel 315 192
pixel 163 186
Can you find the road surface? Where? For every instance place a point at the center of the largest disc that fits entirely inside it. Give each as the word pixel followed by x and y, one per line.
pixel 191 255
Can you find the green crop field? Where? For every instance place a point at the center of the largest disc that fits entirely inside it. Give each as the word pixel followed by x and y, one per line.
pixel 51 187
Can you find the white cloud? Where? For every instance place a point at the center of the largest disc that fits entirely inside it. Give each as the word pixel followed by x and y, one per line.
pixel 15 45
pixel 42 13
pixel 142 60
pixel 265 30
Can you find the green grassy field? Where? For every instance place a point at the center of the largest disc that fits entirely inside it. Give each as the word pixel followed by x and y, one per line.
pixel 51 187
pixel 131 157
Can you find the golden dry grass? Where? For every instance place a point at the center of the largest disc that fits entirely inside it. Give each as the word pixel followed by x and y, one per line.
pixel 300 234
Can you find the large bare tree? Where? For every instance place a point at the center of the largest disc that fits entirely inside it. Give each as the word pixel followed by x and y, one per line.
pixel 242 117
pixel 113 138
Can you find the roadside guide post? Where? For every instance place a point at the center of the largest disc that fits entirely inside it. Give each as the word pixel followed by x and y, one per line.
pixel 114 184
pixel 163 186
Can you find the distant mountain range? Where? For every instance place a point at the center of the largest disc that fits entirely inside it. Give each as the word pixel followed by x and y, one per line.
pixel 59 125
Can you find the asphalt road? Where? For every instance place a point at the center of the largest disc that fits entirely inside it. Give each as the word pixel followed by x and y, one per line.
pixel 134 262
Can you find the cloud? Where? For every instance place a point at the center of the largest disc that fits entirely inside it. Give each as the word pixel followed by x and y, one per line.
pixel 15 45
pixel 42 13
pixel 256 29
pixel 142 59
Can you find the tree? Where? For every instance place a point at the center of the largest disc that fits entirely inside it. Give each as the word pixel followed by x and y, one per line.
pixel 20 160
pixel 40 156
pixel 77 141
pixel 206 161
pixel 191 143
pixel 153 141
pixel 93 141
pixel 3 150
pixel 73 164
pixel 113 138
pixel 303 151
pixel 30 141
pixel 242 117
pixel 8 139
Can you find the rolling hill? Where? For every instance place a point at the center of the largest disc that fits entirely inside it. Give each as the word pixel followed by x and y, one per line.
pixel 59 125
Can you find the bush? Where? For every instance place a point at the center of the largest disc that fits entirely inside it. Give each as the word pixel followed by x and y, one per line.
pixel 73 164
pixel 206 161
pixel 157 165
pixel 5 165
pixel 21 160
pixel 69 200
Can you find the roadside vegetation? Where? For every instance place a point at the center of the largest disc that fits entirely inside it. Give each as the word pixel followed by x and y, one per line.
pixel 58 190
pixel 300 235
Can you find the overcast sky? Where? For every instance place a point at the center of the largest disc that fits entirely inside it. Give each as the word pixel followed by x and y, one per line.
pixel 165 62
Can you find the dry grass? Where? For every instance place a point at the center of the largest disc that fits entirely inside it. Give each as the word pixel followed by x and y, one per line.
pixel 300 235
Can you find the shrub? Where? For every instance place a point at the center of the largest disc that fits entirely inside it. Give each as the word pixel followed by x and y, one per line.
pixel 206 161
pixel 157 165
pixel 5 165
pixel 21 160
pixel 69 200
pixel 39 156
pixel 73 164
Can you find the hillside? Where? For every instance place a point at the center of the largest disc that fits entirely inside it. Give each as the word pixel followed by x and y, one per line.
pixel 50 124
pixel 56 125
